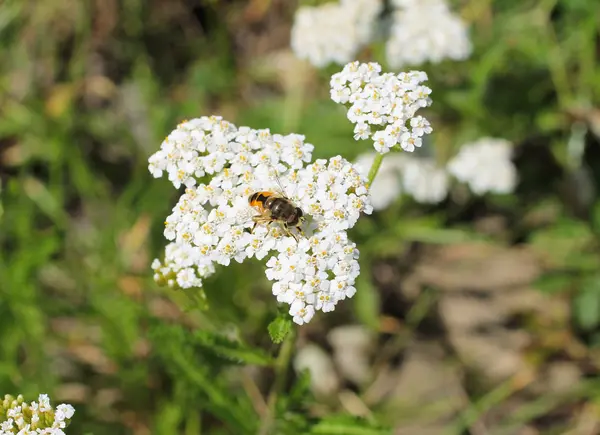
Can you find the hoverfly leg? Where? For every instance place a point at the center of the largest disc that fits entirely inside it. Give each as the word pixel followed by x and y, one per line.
pixel 260 220
pixel 286 228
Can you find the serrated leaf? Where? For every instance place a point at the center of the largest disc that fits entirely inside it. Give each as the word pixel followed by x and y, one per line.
pixel 300 391
pixel 279 329
pixel 174 347
pixel 230 350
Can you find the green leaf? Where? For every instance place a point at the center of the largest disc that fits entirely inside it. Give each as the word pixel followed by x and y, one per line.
pixel 196 299
pixel 554 282
pixel 230 350
pixel 279 328
pixel 1 208
pixel 366 301
pixel 174 347
pixel 347 425
pixel 566 245
pixel 300 391
pixel 587 304
pixel 430 229
pixel 45 200
pixel 596 217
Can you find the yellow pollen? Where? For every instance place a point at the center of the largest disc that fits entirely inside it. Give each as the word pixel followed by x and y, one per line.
pixel 338 214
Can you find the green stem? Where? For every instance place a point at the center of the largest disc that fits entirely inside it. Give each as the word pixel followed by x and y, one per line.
pixel 375 168
pixel 281 368
pixel 556 64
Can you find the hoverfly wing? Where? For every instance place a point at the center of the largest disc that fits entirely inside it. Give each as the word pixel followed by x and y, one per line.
pixel 274 175
pixel 280 187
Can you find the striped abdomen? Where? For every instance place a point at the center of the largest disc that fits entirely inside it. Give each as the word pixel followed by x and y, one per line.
pixel 258 200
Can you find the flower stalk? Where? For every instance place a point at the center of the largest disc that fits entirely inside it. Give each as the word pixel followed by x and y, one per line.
pixel 281 369
pixel 374 168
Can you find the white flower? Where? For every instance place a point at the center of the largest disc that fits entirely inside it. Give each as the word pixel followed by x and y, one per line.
pixel 333 32
pixel 418 177
pixel 25 418
pixel 486 166
pixel 212 220
pixel 14 412
pixel 7 426
pixel 301 311
pixel 383 106
pixel 424 181
pixel 63 412
pixel 426 31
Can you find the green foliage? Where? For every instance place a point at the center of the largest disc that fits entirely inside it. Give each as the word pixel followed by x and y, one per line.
pixel 587 304
pixel 568 244
pixel 366 301
pixel 341 424
pixel 279 328
pixel 195 368
pixel 230 350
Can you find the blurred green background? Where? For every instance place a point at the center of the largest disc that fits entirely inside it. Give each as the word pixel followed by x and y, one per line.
pixel 481 315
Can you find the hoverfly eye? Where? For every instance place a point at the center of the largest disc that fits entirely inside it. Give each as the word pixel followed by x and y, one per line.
pixel 299 212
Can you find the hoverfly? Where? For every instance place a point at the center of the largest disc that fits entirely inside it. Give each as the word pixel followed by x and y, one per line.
pixel 276 207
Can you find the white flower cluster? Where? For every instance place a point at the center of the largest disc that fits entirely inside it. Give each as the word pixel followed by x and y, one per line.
pixel 333 32
pixel 417 177
pixel 383 106
pixel 486 166
pixel 424 180
pixel 426 31
pixel 210 223
pixel 34 418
